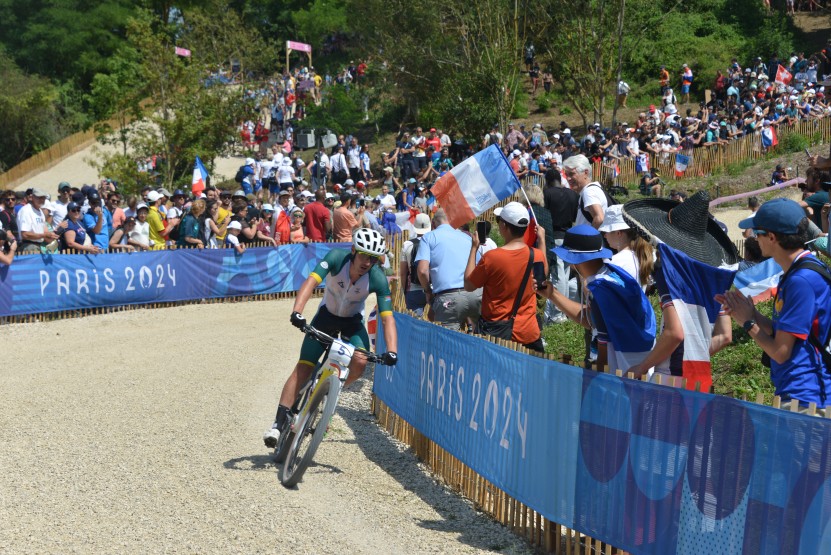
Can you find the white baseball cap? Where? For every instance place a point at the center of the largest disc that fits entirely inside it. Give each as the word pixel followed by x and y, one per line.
pixel 514 213
pixel 153 196
pixel 234 225
pixel 422 224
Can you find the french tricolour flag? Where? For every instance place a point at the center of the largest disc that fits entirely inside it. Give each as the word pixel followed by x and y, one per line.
pixel 475 185
pixel 642 163
pixel 692 285
pixel 760 281
pixel 769 138
pixel 200 178
pixel 681 163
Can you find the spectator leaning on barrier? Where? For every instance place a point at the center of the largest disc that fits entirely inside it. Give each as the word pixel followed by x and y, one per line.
pixel 120 239
pixel 592 203
pixel 75 236
pixel 801 317
pixel 32 224
pixel 232 238
pixel 442 259
pixel 505 276
pixel 191 235
pixel 617 306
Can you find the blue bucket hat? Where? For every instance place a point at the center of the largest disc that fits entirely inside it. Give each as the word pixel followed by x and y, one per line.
pixel 780 215
pixel 581 244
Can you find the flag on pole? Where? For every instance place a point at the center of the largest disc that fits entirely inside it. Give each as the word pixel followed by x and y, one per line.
pixel 692 286
pixel 615 171
pixel 642 163
pixel 760 281
pixel 475 185
pixel 681 163
pixel 200 178
pixel 782 75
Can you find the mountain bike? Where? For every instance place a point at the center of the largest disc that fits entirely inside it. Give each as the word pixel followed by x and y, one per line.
pixel 315 406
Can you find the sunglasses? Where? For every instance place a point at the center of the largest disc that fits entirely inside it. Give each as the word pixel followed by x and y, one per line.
pixel 75 210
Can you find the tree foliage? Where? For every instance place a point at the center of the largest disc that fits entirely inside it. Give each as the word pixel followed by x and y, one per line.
pixel 28 116
pixel 185 116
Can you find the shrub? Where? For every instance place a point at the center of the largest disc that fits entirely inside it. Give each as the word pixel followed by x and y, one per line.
pixel 795 142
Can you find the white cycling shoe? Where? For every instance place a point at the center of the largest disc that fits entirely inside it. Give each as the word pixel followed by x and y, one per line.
pixel 272 437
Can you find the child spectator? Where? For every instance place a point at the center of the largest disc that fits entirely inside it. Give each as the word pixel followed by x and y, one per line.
pixel 232 238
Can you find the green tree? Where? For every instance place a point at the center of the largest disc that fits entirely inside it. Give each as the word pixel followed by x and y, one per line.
pixel 28 116
pixel 185 116
pixel 463 62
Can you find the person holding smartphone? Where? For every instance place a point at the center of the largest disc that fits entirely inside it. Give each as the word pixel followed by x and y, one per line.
pixel 501 273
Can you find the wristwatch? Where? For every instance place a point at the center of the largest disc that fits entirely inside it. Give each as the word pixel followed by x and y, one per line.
pixel 749 324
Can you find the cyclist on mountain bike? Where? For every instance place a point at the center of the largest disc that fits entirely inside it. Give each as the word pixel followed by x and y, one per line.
pixel 353 275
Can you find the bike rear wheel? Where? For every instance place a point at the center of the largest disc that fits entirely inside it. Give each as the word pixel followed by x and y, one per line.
pixel 308 437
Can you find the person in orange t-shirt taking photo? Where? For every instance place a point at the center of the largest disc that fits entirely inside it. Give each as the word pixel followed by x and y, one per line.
pixel 506 276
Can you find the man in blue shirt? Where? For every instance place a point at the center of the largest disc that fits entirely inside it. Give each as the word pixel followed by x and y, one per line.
pixel 801 308
pixel 97 222
pixel 441 262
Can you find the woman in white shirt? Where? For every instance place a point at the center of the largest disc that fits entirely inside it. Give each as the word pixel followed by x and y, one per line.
pixel 634 254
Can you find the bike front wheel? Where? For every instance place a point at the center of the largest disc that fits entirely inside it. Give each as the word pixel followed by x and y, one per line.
pixel 311 431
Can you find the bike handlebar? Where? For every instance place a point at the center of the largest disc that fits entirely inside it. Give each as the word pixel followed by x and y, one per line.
pixel 326 339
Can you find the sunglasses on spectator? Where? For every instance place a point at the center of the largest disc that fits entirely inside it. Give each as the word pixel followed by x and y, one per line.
pixel 75 210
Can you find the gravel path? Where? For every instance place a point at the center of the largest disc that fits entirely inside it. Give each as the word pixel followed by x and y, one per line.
pixel 141 432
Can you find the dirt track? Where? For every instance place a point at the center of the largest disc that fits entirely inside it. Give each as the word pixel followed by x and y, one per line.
pixel 141 432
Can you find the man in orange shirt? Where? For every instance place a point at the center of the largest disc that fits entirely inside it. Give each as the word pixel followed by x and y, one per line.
pixel 343 221
pixel 500 273
pixel 664 79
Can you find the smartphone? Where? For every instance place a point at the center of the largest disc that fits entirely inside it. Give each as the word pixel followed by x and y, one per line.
pixel 482 231
pixel 539 273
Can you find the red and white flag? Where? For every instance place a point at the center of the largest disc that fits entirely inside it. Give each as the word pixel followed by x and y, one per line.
pixel 475 185
pixel 783 75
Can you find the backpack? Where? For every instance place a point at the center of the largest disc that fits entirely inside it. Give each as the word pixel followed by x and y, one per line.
pixel 240 174
pixel 413 272
pixel 824 346
pixel 610 201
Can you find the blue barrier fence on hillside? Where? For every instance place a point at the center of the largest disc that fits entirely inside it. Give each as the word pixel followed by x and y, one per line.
pixel 647 468
pixel 50 283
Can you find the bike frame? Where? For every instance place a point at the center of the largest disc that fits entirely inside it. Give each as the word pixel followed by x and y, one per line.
pixel 338 356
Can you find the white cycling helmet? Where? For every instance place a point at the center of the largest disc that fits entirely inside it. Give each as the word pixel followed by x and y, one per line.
pixel 369 241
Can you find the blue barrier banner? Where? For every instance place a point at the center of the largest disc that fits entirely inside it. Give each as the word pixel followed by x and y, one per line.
pixel 647 468
pixel 49 283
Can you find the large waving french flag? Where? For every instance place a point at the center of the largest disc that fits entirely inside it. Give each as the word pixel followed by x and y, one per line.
pixel 475 185
pixel 760 281
pixel 692 285
pixel 200 178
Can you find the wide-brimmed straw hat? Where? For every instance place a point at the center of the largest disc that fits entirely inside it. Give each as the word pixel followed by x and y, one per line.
pixel 685 226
